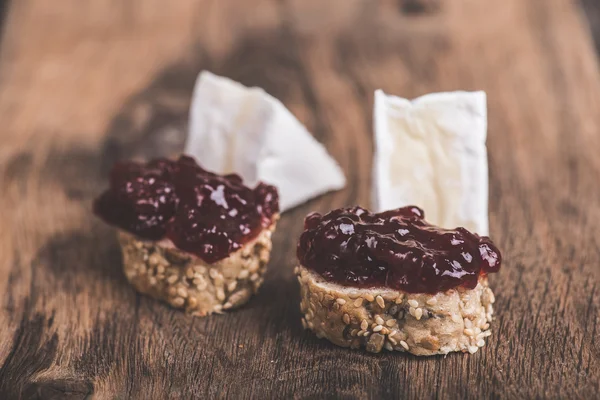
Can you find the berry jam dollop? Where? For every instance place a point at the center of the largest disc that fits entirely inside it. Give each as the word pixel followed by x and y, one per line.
pixel 396 249
pixel 203 213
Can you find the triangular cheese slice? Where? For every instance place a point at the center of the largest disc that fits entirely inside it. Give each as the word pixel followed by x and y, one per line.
pixel 431 152
pixel 247 131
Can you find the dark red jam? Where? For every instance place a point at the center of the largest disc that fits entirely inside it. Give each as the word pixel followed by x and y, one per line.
pixel 202 213
pixel 396 249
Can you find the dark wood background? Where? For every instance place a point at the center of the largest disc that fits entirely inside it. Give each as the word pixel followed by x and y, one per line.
pixel 85 82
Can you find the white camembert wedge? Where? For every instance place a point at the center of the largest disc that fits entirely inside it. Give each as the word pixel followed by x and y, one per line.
pixel 235 129
pixel 431 152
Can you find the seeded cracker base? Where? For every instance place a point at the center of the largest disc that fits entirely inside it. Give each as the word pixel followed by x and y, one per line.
pixel 421 324
pixel 184 281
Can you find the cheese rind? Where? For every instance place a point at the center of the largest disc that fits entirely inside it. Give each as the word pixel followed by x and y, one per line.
pixel 431 152
pixel 235 129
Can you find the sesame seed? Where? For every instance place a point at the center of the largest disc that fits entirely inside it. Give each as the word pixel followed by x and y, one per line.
pixel 232 285
pixel 346 319
pixel 192 302
pixel 456 318
pixel 353 332
pixel 310 325
pixel 377 328
pixel 213 273
pixel 390 322
pixel 468 323
pixel 227 305
pixel 172 279
pixel 160 269
pixel 244 274
pixel 477 331
pixel 364 325
pixel 200 269
pixel 296 270
pixel 418 313
pixel 411 311
pixel 217 308
pixel 367 333
pixel 473 349
pixel 308 316
pixel 182 292
pixel 480 343
pixel 413 303
pixel 304 323
pixel 379 320
pixel 369 297
pixel 492 297
pixel 341 301
pixel 254 277
pixel 360 333
pixel 388 346
pixel 178 301
pixel 220 294
pixel 328 298
pixel 404 344
pixel 152 281
pixel 392 340
pixel 432 301
pixel 380 301
pixel 172 291
pixel 218 281
pixel 468 332
pixel 154 259
pixel 358 302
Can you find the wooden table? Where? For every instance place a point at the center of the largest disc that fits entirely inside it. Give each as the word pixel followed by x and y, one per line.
pixel 83 83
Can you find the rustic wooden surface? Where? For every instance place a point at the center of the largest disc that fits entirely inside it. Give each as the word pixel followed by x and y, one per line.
pixel 83 83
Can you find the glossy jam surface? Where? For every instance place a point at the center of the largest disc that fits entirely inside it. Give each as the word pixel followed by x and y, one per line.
pixel 202 213
pixel 396 249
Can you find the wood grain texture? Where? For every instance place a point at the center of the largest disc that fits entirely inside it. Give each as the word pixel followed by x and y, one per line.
pixel 85 83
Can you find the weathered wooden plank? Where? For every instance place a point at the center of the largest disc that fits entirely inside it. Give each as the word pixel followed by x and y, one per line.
pixel 86 82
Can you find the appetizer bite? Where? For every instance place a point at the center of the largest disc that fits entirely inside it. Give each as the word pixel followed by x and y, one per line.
pixel 196 240
pixel 393 281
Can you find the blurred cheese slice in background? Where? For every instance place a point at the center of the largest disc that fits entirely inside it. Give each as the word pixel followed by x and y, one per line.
pixel 431 152
pixel 249 132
